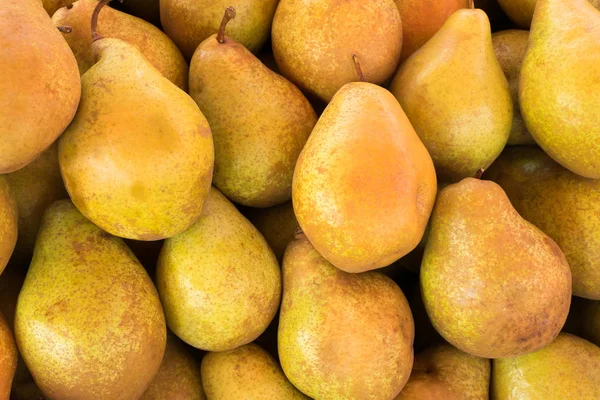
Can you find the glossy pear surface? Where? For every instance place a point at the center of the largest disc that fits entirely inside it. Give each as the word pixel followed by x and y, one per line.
pixel 8 222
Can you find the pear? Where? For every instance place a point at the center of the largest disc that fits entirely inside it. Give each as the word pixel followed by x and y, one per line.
pixel 422 19
pixel 342 336
pixel 137 159
pixel 313 39
pixel 457 97
pixel 35 187
pixel 8 358
pixel 510 47
pixel 219 281
pixel 564 205
pixel 160 51
pixel 190 22
pixel 364 184
pixel 88 323
pixel 448 370
pixel 259 120
pixel 8 222
pixel 277 224
pixel 568 368
pixel 246 373
pixel 178 377
pixel 559 87
pixel 52 5
pixel 493 284
pixel 521 11
pixel 40 86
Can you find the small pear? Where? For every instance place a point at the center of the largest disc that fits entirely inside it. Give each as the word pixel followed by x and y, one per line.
pixel 137 159
pixel 342 336
pixel 493 284
pixel 559 87
pixel 457 97
pixel 364 184
pixel 259 120
pixel 568 368
pixel 40 85
pixel 313 39
pixel 8 222
pixel 160 51
pixel 89 323
pixel 8 358
pixel 246 373
pixel 564 205
pixel 219 281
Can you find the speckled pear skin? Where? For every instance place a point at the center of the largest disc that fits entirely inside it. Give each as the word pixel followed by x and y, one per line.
pixel 342 336
pixel 219 281
pixel 8 222
pixel 8 358
pixel 564 205
pixel 40 83
pixel 35 187
pixel 260 121
pixel 568 368
pixel 364 184
pixel 313 42
pixel 88 323
pixel 493 284
pixel 559 88
pixel 246 373
pixel 162 53
pixel 138 158
pixel 457 97
pixel 189 22
pixel 463 376
pixel 510 47
pixel 178 377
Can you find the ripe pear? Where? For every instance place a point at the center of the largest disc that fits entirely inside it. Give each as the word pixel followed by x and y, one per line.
pixel 35 187
pixel 510 47
pixel 246 373
pixel 89 323
pixel 190 22
pixel 364 184
pixel 178 377
pixel 219 281
pixel 422 19
pixel 493 284
pixel 8 358
pixel 52 5
pixel 277 224
pixel 259 120
pixel 146 170
pixel 564 205
pixel 568 368
pixel 521 11
pixel 313 41
pixel 559 88
pixel 40 85
pixel 8 222
pixel 160 51
pixel 457 97
pixel 342 336
pixel 460 375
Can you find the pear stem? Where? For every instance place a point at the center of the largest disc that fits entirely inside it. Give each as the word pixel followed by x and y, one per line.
pixel 472 4
pixel 68 4
pixel 479 173
pixel 359 71
pixel 299 232
pixel 99 6
pixel 64 28
pixel 229 15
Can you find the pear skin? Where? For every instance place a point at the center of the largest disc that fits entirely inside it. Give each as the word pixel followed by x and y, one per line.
pixel 52 5
pixel 40 85
pixel 246 373
pixel 493 284
pixel 8 222
pixel 559 87
pixel 568 368
pixel 564 205
pixel 219 281
pixel 521 11
pixel 8 358
pixel 342 336
pixel 260 122
pixel 146 170
pixel 457 97
pixel 88 323
pixel 364 184
pixel 162 53
pixel 313 41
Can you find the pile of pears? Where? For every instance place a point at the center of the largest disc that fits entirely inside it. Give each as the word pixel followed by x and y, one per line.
pixel 299 199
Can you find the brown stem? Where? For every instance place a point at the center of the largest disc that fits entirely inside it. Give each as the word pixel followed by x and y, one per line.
pixel 229 15
pixel 68 4
pixel 359 71
pixel 64 28
pixel 299 232
pixel 471 4
pixel 101 3
pixel 479 173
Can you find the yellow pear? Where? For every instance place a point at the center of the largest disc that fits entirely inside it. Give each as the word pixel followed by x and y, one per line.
pixel 40 85
pixel 8 358
pixel 8 222
pixel 521 11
